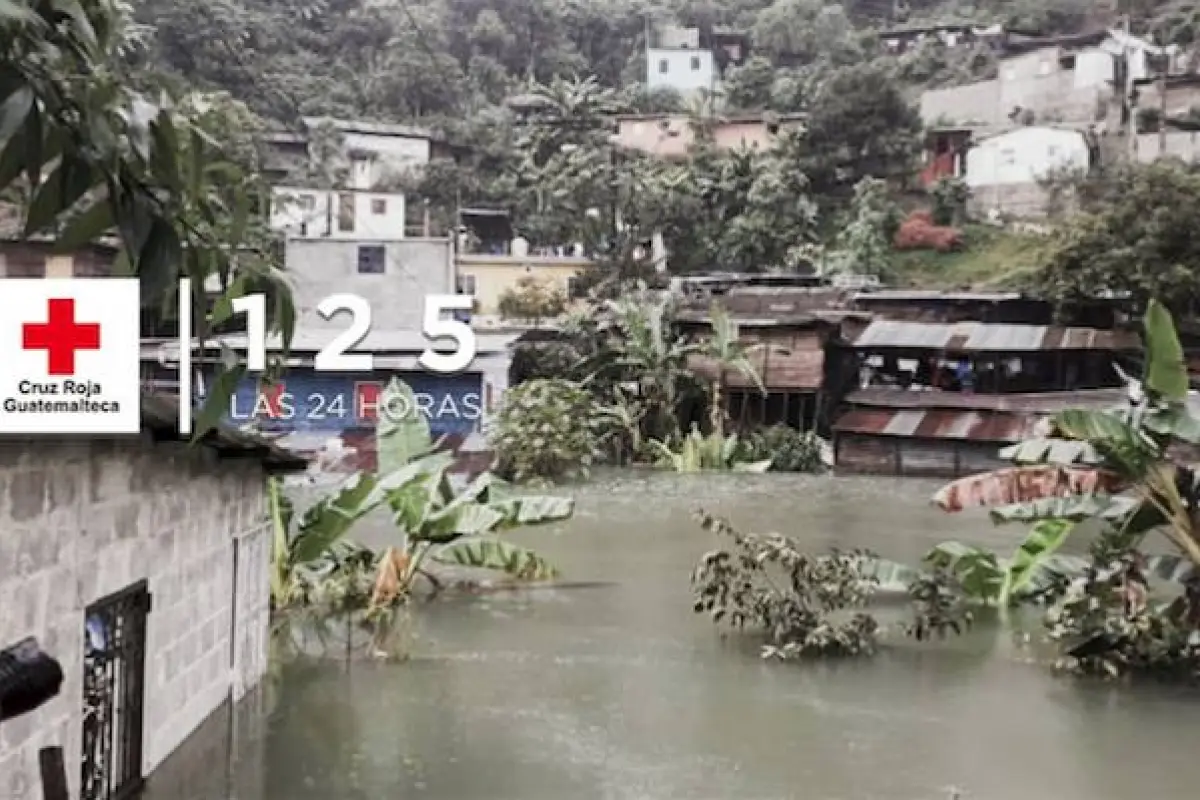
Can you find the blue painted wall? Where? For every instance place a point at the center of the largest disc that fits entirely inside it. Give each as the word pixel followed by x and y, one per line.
pixel 335 402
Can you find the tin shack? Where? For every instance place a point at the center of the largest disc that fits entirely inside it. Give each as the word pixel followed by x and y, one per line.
pixel 940 399
pixel 789 332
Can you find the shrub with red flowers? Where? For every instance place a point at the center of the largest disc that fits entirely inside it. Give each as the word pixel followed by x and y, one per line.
pixel 918 232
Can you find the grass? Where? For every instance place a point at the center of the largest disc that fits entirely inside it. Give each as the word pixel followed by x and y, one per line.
pixel 992 259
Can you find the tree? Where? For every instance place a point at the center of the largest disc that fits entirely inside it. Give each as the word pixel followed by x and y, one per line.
pixel 94 156
pixel 1135 235
pixel 860 125
pixel 749 86
pixel 532 299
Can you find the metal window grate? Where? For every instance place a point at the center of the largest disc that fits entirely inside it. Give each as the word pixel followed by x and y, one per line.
pixel 114 668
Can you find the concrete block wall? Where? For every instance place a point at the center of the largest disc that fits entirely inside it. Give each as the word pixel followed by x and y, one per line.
pixel 414 269
pixel 81 520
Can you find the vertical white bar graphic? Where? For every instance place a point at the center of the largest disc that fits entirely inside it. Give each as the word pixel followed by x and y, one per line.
pixel 185 356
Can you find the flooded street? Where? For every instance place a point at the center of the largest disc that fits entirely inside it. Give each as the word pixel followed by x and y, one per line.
pixel 622 692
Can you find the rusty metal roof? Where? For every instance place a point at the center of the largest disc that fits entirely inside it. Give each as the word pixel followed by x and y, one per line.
pixel 1024 402
pixel 988 337
pixel 930 423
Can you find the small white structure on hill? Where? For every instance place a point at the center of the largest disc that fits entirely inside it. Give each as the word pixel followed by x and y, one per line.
pixel 1003 170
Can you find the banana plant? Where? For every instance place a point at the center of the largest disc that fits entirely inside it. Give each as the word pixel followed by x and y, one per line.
pixel 440 523
pixel 436 521
pixel 699 453
pixel 1114 466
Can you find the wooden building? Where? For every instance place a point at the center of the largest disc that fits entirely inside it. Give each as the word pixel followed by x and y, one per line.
pixel 940 399
pixel 789 333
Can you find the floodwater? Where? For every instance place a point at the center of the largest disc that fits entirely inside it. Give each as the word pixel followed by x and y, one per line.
pixel 621 693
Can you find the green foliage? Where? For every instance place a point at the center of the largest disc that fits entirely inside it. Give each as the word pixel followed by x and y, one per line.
pixel 435 521
pixel 545 429
pixel 1113 467
pixel 785 448
pixel 802 605
pixel 1134 236
pixel 532 299
pixel 950 196
pixel 88 157
pixel 698 453
pixel 863 246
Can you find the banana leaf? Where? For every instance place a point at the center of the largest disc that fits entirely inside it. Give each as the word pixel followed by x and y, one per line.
pixel 1024 484
pixel 1075 508
pixel 496 554
pixel 1051 451
pixel 329 518
pixel 402 434
pixel 1041 542
pixel 1166 371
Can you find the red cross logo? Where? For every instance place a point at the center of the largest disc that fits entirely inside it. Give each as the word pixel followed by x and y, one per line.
pixel 61 336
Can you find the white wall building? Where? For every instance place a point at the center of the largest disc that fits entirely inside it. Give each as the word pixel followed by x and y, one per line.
pixel 684 70
pixel 1003 170
pixel 338 214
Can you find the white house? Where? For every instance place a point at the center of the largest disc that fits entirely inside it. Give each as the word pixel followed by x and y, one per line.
pixel 1003 170
pixel 338 214
pixel 683 70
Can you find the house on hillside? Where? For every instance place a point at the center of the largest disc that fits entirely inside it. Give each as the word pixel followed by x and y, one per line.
pixel 691 60
pixel 141 564
pixel 673 135
pixel 1005 170
pixel 1062 79
pixel 373 154
pixel 941 398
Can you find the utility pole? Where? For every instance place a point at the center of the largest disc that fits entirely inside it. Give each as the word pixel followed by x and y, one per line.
pixel 1164 63
pixel 1130 99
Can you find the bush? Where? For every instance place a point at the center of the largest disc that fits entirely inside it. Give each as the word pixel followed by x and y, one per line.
pixel 950 197
pixel 545 429
pixel 918 232
pixel 788 449
pixel 533 360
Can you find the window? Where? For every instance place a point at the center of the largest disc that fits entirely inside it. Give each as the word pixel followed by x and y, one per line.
pixel 663 66
pixel 574 289
pixel 379 206
pixel 466 284
pixel 695 63
pixel 1052 152
pixel 307 202
pixel 372 259
pixel 346 212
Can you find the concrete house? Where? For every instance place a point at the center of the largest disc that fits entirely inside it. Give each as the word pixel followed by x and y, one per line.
pixel 374 153
pixel 141 564
pixel 1004 170
pixel 1064 79
pixel 689 60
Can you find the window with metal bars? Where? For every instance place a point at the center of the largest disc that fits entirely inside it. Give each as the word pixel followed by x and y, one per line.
pixel 114 690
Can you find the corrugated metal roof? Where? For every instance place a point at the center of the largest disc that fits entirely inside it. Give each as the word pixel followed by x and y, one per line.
pixel 987 337
pixel 917 296
pixel 939 424
pixel 1025 402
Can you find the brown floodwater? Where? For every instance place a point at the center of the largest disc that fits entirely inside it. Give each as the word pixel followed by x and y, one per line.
pixel 620 692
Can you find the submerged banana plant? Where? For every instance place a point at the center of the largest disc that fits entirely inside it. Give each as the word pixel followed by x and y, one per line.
pixel 699 453
pixel 435 521
pixel 1112 466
